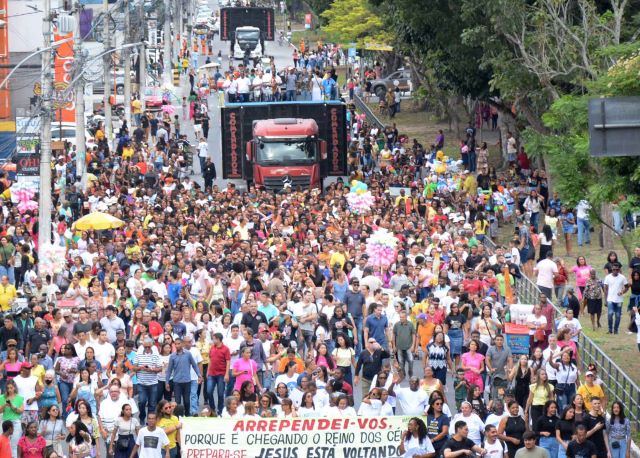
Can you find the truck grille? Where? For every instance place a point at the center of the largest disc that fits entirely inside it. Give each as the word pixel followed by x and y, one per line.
pixel 276 184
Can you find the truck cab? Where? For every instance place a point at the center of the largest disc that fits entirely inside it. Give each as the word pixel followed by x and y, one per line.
pixel 286 150
pixel 247 39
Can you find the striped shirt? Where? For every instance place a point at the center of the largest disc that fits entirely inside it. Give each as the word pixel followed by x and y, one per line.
pixel 150 359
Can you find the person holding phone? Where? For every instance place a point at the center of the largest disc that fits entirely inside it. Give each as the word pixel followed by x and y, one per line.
pixel 245 369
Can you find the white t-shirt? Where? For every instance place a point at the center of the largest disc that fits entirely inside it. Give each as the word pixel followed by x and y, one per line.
pixel 104 353
pixel 411 402
pixel 573 325
pixel 537 321
pixel 291 382
pixel 616 285
pixel 495 450
pixel 151 443
pixel 546 268
pixel 197 357
pixel 475 424
pixel 413 446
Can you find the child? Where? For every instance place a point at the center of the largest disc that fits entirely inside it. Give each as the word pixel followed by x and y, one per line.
pixel 176 126
pixel 461 388
pixel 498 398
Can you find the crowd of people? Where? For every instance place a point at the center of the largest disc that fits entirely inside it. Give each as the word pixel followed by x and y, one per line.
pixel 213 301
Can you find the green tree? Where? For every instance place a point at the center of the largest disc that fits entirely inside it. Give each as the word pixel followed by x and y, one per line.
pixel 576 174
pixel 353 21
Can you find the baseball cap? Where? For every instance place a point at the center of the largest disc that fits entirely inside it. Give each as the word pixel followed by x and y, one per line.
pixel 12 342
pixel 26 365
pixel 588 373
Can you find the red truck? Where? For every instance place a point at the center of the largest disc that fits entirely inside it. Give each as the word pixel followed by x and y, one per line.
pixel 272 144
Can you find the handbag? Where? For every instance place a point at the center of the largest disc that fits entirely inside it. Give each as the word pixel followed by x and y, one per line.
pixel 561 388
pixel 493 340
pixel 539 335
pixel 122 443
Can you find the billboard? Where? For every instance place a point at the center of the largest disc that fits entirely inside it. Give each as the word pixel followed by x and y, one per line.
pixel 63 101
pixel 232 18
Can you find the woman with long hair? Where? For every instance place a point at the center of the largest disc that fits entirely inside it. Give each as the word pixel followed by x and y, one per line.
pixel 125 431
pixel 288 409
pixel 618 431
pixel 475 398
pixel 169 424
pixel 473 365
pixel 454 325
pixel 307 407
pixel 545 427
pixel 10 367
pixel 66 368
pixel 344 356
pixel 11 407
pixel 248 392
pixel 52 428
pixel 582 271
pixel 521 373
pixel 437 424
pixel 566 378
pixel 511 429
pixel 84 415
pixel 80 441
pixel 165 354
pixel 415 440
pixel 323 357
pixel 579 408
pixel 539 393
pixel 85 388
pixel 565 429
pixel 547 239
pixel 32 444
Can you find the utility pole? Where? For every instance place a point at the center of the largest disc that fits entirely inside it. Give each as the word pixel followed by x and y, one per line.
pixel 167 77
pixel 142 58
pixel 127 65
pixel 44 200
pixel 108 124
pixel 81 144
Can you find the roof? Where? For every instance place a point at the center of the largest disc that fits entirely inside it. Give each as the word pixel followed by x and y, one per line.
pixel 285 127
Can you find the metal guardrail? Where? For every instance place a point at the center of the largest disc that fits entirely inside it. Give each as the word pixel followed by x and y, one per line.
pixel 364 108
pixel 617 384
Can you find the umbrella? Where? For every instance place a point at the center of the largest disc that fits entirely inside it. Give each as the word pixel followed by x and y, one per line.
pixel 98 221
pixel 209 65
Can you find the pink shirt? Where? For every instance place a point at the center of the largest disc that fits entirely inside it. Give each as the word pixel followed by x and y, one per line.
pixel 242 364
pixel 471 360
pixel 582 274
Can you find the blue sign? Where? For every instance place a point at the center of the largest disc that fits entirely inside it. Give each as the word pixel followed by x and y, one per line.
pixel 7 145
pixel 352 52
pixel 518 343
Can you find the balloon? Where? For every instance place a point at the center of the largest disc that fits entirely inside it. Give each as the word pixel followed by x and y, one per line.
pixel 441 169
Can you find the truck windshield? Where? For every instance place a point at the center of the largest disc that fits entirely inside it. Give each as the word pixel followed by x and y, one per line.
pixel 248 36
pixel 287 152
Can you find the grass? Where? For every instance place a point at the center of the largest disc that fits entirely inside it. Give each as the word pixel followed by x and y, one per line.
pixel 620 348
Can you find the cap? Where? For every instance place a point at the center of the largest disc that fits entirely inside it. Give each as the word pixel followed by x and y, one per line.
pixel 12 342
pixel 422 316
pixel 588 373
pixel 120 331
pixel 26 365
pixel 467 226
pixel 509 393
pixel 287 312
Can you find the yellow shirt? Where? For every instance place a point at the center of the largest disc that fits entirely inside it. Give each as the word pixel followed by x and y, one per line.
pixel 337 258
pixel 38 371
pixel 540 394
pixel 590 392
pixel 167 422
pixel 127 152
pixel 7 296
pixel 136 107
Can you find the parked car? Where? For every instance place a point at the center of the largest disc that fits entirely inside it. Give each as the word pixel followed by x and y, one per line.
pixel 66 131
pixel 403 77
pixel 153 98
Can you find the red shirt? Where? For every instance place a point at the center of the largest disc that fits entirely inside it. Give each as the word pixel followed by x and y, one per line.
pixel 472 286
pixel 218 357
pixel 5 447
pixel 155 329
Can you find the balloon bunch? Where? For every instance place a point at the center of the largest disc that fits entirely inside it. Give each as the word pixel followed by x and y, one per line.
pixel 381 248
pixel 51 259
pixel 169 109
pixel 23 194
pixel 359 198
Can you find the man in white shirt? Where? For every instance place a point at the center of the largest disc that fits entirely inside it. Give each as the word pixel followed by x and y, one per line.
pixel 615 285
pixel 109 411
pixel 582 219
pixel 81 345
pixel 112 323
pixel 103 349
pixel 412 400
pixel 203 152
pixel 197 357
pixel 233 343
pixel 244 87
pixel 546 270
pixel 151 441
pixel 495 448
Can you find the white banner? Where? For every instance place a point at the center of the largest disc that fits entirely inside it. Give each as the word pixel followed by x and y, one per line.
pixel 346 437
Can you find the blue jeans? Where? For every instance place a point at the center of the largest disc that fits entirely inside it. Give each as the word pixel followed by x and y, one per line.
pixel 565 398
pixel 620 452
pixel 65 390
pixel 291 95
pixel 358 330
pixel 550 444
pixel 193 397
pixel 230 385
pixel 562 453
pixel 9 272
pixel 618 222
pixel 535 217
pixel 634 301
pixel 147 397
pixel 583 231
pixel 215 383
pixel 614 308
